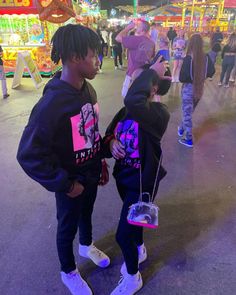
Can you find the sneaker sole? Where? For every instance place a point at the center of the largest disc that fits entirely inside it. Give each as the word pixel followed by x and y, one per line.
pixel 186 144
pixel 101 264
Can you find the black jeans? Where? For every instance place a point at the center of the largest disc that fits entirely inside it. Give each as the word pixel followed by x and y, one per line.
pixel 117 54
pixel 227 67
pixel 74 213
pixel 128 236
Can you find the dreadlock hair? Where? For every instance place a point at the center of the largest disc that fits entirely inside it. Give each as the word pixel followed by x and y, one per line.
pixel 195 49
pixel 73 40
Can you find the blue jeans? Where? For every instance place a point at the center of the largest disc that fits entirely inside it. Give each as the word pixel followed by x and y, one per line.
pixel 227 67
pixel 187 109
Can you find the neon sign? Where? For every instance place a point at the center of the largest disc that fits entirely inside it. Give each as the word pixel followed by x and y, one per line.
pixel 15 3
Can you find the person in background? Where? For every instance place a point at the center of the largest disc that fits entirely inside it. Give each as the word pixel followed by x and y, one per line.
pixel 171 35
pixel 134 139
pixel 217 37
pixel 3 76
pixel 213 53
pixel 233 72
pixel 164 48
pixel 179 46
pixel 228 55
pixel 154 34
pixel 101 51
pixel 111 31
pixel 197 66
pixel 141 49
pixel 117 49
pixel 105 37
pixel 60 148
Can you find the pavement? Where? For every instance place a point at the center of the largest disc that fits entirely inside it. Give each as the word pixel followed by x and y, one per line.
pixel 194 249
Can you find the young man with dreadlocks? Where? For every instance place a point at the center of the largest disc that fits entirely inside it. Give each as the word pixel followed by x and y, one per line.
pixel 61 148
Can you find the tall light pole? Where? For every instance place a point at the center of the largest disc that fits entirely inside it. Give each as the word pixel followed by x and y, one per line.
pixel 135 7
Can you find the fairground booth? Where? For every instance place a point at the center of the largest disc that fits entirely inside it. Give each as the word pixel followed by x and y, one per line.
pixel 28 25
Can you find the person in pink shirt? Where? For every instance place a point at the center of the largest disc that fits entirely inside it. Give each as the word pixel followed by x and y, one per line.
pixel 141 49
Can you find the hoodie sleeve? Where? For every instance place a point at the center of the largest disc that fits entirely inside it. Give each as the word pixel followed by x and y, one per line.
pixel 109 135
pixel 36 157
pixel 185 75
pixel 152 119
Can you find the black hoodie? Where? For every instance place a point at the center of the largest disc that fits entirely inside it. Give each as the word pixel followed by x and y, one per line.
pixel 61 142
pixel 140 127
pixel 186 72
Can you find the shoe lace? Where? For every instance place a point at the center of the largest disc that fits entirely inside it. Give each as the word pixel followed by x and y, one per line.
pixel 97 251
pixel 122 283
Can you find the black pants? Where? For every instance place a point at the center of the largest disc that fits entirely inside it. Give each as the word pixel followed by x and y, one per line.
pixel 74 213
pixel 128 236
pixel 227 67
pixel 117 54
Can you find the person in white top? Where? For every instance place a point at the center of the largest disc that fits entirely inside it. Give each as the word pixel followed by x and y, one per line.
pixel 105 37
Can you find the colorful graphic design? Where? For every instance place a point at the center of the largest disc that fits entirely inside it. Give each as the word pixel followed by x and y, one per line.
pixel 85 128
pixel 127 133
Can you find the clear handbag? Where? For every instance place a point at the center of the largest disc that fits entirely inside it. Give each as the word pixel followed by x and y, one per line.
pixel 142 213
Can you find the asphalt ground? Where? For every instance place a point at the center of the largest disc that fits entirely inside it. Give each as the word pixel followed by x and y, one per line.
pixel 194 249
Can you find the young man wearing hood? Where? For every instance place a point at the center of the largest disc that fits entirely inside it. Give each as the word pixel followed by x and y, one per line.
pixel 61 148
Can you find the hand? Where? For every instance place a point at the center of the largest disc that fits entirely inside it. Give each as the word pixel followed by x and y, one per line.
pixel 117 149
pixel 131 26
pixel 104 178
pixel 160 68
pixel 77 190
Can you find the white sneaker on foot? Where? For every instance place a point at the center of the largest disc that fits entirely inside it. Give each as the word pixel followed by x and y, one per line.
pixel 142 256
pixel 129 285
pixel 96 255
pixel 75 283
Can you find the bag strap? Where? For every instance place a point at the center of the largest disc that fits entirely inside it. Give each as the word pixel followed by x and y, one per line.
pixel 151 199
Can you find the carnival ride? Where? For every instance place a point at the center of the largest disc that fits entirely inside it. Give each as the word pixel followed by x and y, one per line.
pixel 195 14
pixel 211 8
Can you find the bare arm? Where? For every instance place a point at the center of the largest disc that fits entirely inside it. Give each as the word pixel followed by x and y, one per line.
pixel 124 32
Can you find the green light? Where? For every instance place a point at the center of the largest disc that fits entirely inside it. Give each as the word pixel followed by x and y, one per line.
pixel 135 7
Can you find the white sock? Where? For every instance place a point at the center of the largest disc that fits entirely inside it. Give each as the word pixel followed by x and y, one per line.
pixel 141 248
pixel 135 276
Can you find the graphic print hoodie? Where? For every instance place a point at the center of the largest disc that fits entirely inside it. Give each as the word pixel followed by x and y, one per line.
pixel 139 126
pixel 61 142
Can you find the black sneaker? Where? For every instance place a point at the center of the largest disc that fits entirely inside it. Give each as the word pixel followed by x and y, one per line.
pixel 6 96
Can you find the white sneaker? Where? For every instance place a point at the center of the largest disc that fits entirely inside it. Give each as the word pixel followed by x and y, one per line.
pixel 220 84
pixel 142 256
pixel 75 283
pixel 116 67
pixel 128 285
pixel 120 67
pixel 96 255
